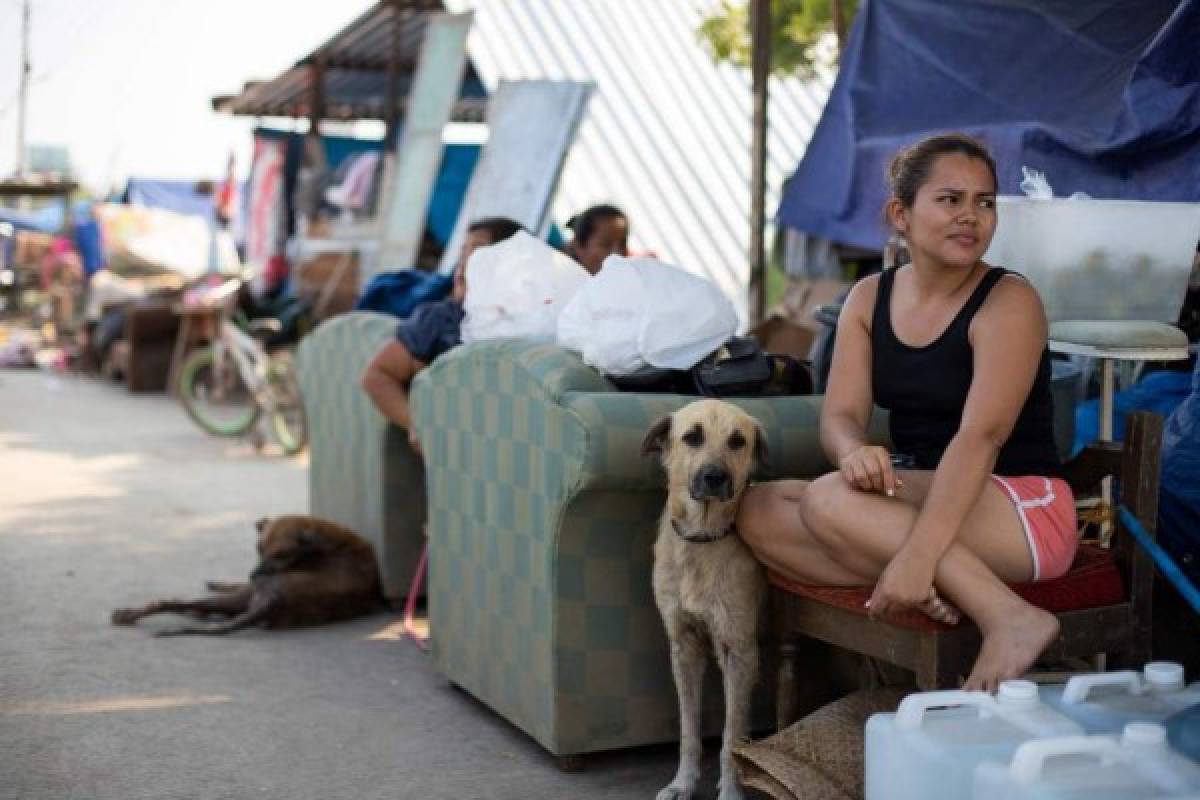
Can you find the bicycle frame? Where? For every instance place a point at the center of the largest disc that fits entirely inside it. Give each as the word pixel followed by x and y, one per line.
pixel 249 356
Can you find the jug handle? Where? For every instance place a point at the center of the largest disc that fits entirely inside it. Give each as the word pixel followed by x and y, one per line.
pixel 1030 758
pixel 912 708
pixel 1078 687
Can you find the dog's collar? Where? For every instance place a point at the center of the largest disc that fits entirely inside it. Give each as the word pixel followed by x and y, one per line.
pixel 703 537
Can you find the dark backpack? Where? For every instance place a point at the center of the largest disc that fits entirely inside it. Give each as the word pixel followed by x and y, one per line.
pixel 739 368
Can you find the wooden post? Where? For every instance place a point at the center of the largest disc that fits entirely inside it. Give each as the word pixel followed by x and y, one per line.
pixel 392 101
pixel 760 61
pixel 1140 471
pixel 316 95
pixel 839 25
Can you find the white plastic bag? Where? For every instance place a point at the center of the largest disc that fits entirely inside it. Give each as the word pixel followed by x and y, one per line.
pixel 640 311
pixel 1035 185
pixel 517 288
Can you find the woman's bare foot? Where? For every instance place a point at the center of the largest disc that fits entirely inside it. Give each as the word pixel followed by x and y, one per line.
pixel 939 610
pixel 1011 646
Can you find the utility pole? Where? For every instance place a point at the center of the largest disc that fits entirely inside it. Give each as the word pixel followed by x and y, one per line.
pixel 839 25
pixel 760 61
pixel 23 90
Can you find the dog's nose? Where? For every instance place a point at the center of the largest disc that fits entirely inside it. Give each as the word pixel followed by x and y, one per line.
pixel 712 481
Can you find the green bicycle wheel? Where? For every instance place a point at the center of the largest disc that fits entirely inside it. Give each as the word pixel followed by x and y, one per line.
pixel 216 398
pixel 287 420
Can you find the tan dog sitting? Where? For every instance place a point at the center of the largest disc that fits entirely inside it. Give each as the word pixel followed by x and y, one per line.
pixel 310 571
pixel 708 586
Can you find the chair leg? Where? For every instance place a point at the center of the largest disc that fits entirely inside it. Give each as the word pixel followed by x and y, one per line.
pixel 569 764
pixel 926 675
pixel 947 658
pixel 785 690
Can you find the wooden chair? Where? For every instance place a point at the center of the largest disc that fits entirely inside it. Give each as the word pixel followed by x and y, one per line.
pixel 1103 603
pixel 150 330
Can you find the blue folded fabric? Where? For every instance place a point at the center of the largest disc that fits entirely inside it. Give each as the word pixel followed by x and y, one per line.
pixel 399 293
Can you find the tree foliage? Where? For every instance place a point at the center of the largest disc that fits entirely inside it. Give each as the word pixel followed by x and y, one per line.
pixel 798 27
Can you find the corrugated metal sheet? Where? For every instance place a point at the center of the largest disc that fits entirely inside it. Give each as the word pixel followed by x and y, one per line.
pixel 667 134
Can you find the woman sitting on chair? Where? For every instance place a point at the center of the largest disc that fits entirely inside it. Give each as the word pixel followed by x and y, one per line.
pixel 956 350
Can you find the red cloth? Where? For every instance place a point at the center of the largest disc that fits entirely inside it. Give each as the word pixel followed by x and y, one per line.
pixel 1093 581
pixel 276 272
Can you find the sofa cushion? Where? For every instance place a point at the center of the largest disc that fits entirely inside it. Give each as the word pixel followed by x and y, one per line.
pixel 1092 581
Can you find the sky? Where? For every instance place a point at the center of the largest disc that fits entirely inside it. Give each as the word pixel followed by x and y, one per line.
pixel 126 85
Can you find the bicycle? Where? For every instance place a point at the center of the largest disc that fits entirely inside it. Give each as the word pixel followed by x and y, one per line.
pixel 229 384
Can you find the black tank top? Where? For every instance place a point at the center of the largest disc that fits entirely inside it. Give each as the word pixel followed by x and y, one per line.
pixel 925 389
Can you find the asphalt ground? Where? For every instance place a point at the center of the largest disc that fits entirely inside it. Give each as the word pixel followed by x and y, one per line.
pixel 109 499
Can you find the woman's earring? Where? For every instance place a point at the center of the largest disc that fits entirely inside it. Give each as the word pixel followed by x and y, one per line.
pixel 895 251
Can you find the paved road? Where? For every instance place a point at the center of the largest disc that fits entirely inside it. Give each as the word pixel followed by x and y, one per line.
pixel 110 499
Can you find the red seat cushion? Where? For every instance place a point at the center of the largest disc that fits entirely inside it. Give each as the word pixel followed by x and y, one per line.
pixel 1092 581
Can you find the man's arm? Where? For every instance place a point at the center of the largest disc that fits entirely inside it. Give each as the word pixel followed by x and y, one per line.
pixel 386 381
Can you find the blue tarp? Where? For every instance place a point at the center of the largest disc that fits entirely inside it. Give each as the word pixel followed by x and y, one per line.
pixel 1179 498
pixel 178 196
pixel 49 219
pixel 1161 392
pixel 1103 96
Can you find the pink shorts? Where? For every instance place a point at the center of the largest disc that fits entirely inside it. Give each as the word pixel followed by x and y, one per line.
pixel 1046 507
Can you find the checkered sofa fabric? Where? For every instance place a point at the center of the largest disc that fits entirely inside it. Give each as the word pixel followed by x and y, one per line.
pixel 542 517
pixel 362 472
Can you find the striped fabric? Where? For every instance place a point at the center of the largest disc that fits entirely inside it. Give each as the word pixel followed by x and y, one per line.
pixel 542 516
pixel 362 473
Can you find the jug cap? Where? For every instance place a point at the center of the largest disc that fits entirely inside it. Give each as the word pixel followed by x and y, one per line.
pixel 1163 676
pixel 1017 693
pixel 1144 734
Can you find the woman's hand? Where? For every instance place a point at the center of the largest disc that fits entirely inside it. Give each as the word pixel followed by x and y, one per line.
pixel 414 442
pixel 869 468
pixel 906 582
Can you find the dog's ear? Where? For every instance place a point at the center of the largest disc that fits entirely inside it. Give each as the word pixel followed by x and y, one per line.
pixel 656 438
pixel 261 524
pixel 760 449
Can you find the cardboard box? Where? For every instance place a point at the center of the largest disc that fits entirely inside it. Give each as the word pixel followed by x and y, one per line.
pixel 804 296
pixel 331 281
pixel 790 327
pixel 781 336
pixel 30 248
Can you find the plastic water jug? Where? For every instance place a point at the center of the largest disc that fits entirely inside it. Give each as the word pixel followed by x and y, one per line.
pixel 931 745
pixel 1138 765
pixel 1106 701
pixel 1183 732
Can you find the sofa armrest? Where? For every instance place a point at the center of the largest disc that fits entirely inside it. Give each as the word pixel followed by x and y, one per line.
pixel 617 423
pixel 554 370
pixel 362 472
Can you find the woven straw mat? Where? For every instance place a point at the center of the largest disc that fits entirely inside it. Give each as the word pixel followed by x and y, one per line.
pixel 818 758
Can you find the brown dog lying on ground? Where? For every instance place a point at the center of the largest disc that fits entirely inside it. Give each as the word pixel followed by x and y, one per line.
pixel 310 571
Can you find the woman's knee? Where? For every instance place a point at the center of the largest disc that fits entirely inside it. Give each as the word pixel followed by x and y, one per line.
pixel 823 508
pixel 762 508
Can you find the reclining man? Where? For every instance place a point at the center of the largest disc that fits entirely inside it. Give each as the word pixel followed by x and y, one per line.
pixel 432 329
